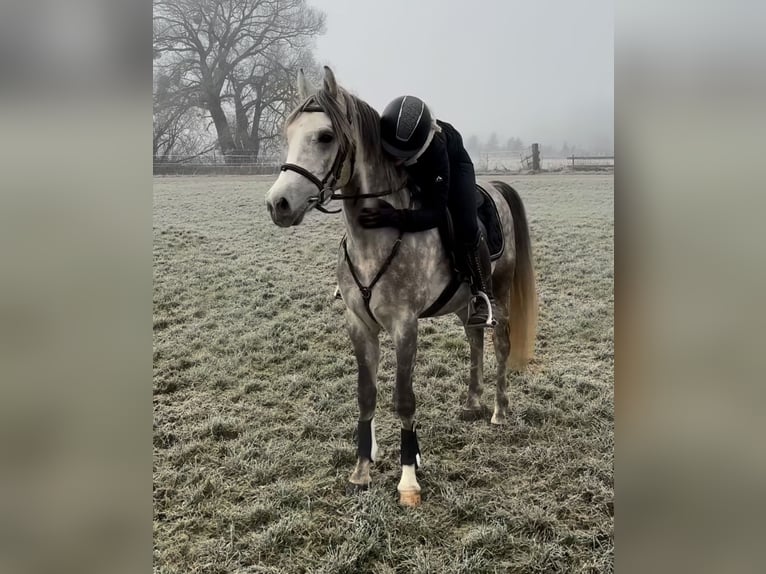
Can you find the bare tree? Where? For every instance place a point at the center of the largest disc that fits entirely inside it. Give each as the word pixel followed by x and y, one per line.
pixel 473 144
pixel 236 59
pixel 492 143
pixel 514 144
pixel 263 96
pixel 178 130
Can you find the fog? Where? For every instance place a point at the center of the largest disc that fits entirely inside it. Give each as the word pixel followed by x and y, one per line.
pixel 540 71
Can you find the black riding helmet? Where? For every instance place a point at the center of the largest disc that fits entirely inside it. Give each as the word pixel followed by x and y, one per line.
pixel 405 126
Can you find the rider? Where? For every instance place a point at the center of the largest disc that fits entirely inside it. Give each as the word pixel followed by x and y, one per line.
pixel 435 160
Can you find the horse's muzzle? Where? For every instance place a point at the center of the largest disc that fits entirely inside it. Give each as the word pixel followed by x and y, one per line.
pixel 280 212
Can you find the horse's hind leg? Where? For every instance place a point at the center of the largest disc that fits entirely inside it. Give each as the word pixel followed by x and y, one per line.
pixel 502 351
pixel 367 350
pixel 405 337
pixel 472 406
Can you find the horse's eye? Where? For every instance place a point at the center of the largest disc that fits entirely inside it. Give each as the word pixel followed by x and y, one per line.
pixel 325 137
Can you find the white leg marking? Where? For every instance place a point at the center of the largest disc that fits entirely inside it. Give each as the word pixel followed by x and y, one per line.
pixel 374 449
pixel 409 481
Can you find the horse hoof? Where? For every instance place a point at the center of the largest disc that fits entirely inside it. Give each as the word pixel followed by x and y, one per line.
pixel 471 414
pixel 354 488
pixel 409 498
pixel 498 420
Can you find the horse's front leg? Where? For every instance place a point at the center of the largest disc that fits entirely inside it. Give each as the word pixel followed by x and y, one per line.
pixel 405 338
pixel 367 350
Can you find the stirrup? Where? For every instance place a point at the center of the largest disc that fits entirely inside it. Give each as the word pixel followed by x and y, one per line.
pixel 491 321
pixel 337 294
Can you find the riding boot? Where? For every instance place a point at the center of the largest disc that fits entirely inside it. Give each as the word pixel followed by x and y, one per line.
pixel 480 267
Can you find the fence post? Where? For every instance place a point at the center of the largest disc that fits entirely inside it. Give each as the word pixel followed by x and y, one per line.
pixel 535 157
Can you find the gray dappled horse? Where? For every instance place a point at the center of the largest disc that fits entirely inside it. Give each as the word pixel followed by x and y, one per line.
pixel 388 279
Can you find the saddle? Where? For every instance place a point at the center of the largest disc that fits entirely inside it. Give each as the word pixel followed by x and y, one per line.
pixel 489 225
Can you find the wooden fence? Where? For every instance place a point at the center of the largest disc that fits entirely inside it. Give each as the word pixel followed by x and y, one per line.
pixel 216 164
pixel 485 163
pixel 532 161
pixel 591 162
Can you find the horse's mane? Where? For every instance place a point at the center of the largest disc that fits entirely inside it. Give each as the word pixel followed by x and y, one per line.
pixel 356 125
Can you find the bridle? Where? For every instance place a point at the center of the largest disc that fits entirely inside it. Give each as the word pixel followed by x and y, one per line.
pixel 329 183
pixel 327 187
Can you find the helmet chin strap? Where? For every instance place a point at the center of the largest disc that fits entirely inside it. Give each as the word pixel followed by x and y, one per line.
pixel 430 137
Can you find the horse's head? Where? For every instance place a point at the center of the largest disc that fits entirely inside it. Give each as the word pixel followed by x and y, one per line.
pixel 319 152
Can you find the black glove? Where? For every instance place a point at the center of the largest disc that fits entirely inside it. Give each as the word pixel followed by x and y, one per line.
pixel 384 216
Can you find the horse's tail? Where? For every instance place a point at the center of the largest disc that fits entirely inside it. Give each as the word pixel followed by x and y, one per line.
pixel 522 324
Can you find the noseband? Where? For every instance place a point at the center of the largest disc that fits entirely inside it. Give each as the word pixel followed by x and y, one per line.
pixel 325 186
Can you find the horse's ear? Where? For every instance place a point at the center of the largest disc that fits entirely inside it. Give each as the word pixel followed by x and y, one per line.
pixel 303 86
pixel 329 84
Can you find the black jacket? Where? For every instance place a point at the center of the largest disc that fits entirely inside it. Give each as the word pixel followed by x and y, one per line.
pixel 432 174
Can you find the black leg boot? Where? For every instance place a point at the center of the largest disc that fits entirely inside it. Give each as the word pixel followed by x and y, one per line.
pixel 481 274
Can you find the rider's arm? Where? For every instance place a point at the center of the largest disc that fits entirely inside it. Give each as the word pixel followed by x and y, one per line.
pixel 432 174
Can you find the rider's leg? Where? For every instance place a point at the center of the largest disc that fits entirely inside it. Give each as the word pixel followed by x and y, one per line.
pixel 470 244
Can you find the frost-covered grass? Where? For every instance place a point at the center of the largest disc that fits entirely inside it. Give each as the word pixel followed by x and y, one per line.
pixel 255 407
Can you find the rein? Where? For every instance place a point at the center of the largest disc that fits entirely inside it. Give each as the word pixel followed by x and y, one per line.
pixel 326 185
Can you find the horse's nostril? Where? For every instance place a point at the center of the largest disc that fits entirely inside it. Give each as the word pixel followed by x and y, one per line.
pixel 271 208
pixel 283 205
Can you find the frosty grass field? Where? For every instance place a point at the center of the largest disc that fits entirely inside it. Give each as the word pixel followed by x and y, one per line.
pixel 255 401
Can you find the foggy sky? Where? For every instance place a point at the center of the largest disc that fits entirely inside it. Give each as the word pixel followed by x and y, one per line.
pixel 542 71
